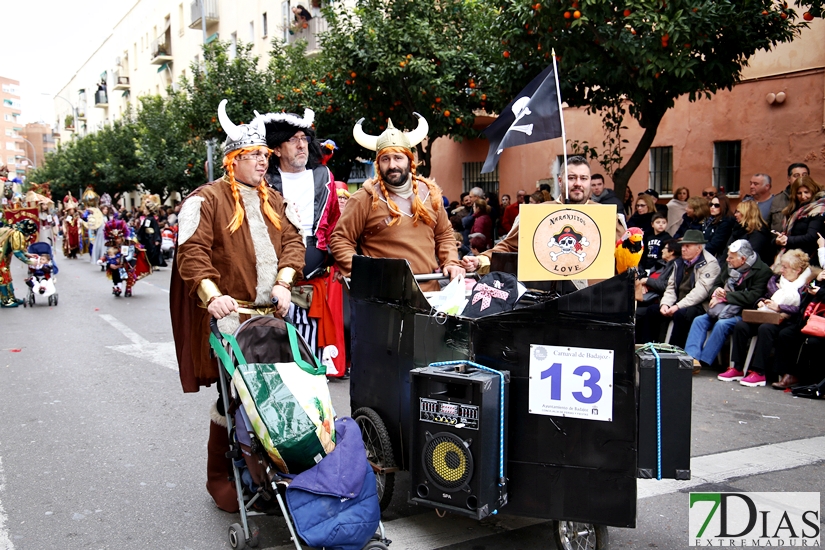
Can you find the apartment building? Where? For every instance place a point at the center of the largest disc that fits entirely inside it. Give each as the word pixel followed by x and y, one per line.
pixel 39 140
pixel 11 140
pixel 155 43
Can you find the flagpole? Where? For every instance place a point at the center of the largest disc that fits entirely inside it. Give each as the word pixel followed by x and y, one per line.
pixel 561 118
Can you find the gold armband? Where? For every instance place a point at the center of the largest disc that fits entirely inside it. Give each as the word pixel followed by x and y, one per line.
pixel 286 277
pixel 483 265
pixel 208 291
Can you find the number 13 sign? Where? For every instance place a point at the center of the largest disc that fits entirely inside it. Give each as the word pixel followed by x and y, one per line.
pixel 571 382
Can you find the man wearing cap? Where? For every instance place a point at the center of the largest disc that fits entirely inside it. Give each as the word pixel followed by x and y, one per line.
pixel 238 251
pixel 687 294
pixel 397 214
pixel 295 171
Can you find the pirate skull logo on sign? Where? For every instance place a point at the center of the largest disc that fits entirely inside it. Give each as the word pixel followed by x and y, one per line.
pixel 567 242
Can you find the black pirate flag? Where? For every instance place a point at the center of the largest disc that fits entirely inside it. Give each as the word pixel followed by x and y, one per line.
pixel 533 116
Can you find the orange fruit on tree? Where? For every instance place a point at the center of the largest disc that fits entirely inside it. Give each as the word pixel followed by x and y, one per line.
pixel 438 100
pixel 567 15
pixel 458 120
pixel 506 54
pixel 807 16
pixel 446 113
pixel 626 13
pixel 577 14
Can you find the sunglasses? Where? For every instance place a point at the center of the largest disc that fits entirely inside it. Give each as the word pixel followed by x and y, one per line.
pixel 715 205
pixel 708 193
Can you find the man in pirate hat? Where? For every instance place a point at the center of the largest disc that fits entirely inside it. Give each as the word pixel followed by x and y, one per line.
pixel 14 240
pixel 238 250
pixel 397 214
pixel 295 170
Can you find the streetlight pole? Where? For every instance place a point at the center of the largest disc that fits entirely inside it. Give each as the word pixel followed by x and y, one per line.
pixel 210 162
pixel 34 151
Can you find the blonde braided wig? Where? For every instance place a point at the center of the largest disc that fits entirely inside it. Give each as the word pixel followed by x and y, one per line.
pixel 263 191
pixel 419 212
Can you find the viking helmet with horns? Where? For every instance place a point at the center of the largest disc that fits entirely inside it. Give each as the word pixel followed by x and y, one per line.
pixel 392 136
pixel 240 136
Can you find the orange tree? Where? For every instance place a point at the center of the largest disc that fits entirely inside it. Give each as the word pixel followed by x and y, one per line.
pixel 637 57
pixel 385 60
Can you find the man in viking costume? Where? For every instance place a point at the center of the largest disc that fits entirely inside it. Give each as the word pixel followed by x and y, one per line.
pixel 397 214
pixel 14 241
pixel 237 252
pixel 295 170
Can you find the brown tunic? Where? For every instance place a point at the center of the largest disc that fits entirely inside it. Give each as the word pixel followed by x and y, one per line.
pixel 425 247
pixel 227 259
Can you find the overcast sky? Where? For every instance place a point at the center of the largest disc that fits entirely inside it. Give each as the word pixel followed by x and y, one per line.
pixel 45 41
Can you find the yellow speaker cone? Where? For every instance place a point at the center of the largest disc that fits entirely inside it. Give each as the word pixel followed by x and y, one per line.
pixel 449 461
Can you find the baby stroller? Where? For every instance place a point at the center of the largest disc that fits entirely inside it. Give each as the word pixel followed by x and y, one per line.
pixel 41 280
pixel 271 383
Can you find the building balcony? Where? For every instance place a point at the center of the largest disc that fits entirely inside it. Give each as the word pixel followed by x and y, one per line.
pixel 101 99
pixel 120 82
pixel 309 32
pixel 162 49
pixel 211 9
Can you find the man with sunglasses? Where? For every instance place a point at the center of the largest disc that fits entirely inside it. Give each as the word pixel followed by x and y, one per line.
pixel 295 170
pixel 709 192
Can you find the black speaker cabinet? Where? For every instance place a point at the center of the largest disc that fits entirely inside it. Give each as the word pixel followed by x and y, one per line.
pixel 675 398
pixel 456 448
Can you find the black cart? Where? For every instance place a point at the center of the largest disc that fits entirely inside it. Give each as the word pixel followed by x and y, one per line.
pixel 581 473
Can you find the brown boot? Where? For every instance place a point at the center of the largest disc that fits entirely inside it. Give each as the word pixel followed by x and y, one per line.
pixel 787 381
pixel 219 480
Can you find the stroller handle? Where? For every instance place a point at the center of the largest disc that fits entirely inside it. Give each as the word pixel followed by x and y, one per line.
pixel 213 323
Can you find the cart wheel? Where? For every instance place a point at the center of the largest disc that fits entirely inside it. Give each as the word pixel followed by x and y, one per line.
pixel 254 531
pixel 572 535
pixel 31 299
pixel 379 451
pixel 237 540
pixel 55 299
pixel 376 545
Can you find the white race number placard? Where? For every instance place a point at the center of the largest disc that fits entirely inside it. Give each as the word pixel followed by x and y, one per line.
pixel 571 382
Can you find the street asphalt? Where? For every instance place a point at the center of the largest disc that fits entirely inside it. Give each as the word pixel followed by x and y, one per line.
pixel 100 449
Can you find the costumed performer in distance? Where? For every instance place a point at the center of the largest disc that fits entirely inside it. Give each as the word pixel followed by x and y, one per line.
pixel 397 214
pixel 237 250
pixel 14 240
pixel 124 259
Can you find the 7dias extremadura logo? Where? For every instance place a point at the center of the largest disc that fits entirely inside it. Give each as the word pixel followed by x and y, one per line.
pixel 766 520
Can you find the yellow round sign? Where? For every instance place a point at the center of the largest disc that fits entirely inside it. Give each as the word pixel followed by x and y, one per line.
pixel 567 242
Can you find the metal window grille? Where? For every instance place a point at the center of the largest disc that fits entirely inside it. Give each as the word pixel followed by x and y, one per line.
pixel 727 156
pixel 472 177
pixel 661 169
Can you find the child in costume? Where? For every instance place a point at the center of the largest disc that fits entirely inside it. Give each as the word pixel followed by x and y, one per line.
pixel 125 260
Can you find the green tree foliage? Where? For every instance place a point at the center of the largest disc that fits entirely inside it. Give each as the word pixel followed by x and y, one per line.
pixel 237 80
pixel 391 59
pixel 637 57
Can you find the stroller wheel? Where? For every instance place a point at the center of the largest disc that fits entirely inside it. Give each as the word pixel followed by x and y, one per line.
pixel 31 299
pixel 237 540
pixel 51 300
pixel 376 545
pixel 55 299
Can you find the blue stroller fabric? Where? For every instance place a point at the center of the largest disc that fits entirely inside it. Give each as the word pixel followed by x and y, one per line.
pixel 41 248
pixel 334 505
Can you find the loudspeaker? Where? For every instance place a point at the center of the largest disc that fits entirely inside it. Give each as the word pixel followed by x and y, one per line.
pixel 459 439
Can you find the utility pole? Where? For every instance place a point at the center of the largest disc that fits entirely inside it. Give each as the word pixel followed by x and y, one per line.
pixel 210 144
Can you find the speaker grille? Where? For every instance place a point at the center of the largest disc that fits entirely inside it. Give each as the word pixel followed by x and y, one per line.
pixel 447 461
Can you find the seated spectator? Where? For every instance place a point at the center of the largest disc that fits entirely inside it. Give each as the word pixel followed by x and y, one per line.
pixel 685 298
pixel 806 216
pixel 654 285
pixel 781 200
pixel 784 295
pixel 645 207
pixel 751 226
pixel 718 226
pixel 696 213
pixel 738 289
pixel 655 195
pixel 478 244
pixel 536 198
pixel 653 241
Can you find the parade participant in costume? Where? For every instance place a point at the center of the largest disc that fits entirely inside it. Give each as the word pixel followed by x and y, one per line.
pixel 14 240
pixel 397 214
pixel 123 258
pixel 295 171
pixel 94 220
pixel 48 222
pixel 99 244
pixel 149 233
pixel 238 248
pixel 8 190
pixel 72 228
